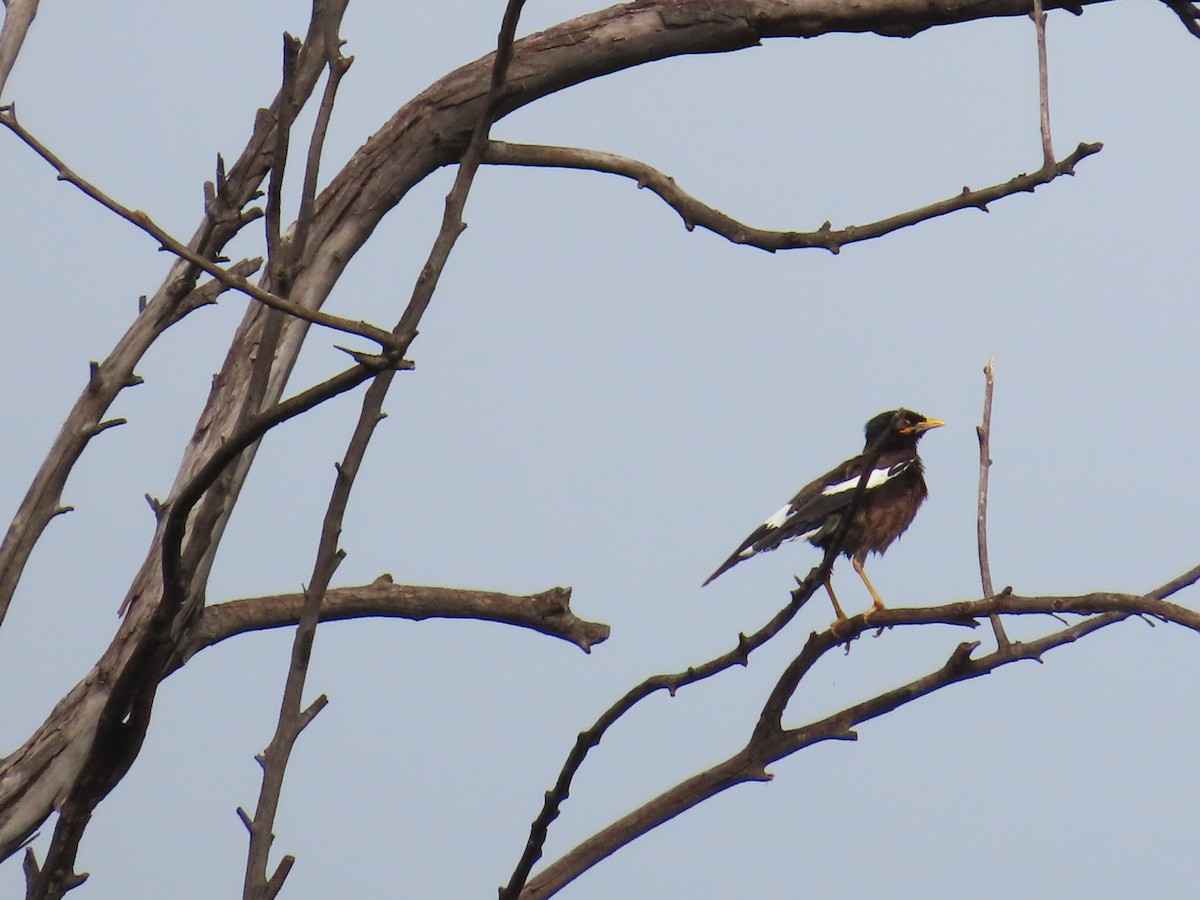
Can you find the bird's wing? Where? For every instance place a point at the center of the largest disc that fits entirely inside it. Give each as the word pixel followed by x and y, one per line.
pixel 814 509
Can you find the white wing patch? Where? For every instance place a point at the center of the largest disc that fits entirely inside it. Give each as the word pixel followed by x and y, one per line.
pixel 874 480
pixel 780 517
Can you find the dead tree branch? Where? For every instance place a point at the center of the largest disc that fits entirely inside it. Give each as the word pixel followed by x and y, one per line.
pixel 547 612
pixel 292 718
pixel 738 655
pixel 696 213
pixel 223 219
pixel 772 741
pixel 433 130
pixel 18 16
pixel 1039 23
pixel 138 218
pixel 984 433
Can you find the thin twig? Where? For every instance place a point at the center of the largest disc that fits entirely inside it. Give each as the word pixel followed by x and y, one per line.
pixel 1039 21
pixel 452 223
pixel 292 717
pixel 285 114
pixel 695 213
pixel 338 66
pixel 174 525
pixel 18 16
pixel 8 118
pixel 984 433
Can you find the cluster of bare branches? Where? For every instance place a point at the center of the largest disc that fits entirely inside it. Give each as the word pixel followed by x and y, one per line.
pixel 93 736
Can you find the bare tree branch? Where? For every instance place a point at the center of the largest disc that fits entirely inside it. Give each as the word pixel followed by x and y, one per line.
pixel 223 219
pixel 56 767
pixel 431 131
pixel 18 16
pixel 984 433
pixel 772 741
pixel 548 612
pixel 739 655
pixel 292 720
pixel 1039 23
pixel 338 66
pixel 695 213
pixel 8 118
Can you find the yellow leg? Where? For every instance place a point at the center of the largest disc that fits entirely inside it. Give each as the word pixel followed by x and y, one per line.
pixel 858 567
pixel 837 607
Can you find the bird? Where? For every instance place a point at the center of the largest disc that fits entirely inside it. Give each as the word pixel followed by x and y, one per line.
pixel 895 489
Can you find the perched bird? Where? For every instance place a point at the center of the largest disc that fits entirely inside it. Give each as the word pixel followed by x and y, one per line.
pixel 894 491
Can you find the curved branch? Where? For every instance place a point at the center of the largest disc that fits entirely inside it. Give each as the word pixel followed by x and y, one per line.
pixel 548 612
pixel 695 213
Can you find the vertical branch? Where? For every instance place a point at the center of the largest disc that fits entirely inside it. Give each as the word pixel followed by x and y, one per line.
pixel 18 16
pixel 285 115
pixel 468 165
pixel 984 433
pixel 1039 22
pixel 292 719
pixel 338 66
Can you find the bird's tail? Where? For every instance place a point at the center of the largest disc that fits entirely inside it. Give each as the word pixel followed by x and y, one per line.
pixel 724 567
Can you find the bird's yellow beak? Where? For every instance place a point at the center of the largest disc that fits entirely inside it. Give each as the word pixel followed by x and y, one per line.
pixel 922 426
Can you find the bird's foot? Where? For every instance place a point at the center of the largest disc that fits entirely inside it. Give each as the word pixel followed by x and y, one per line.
pixel 878 607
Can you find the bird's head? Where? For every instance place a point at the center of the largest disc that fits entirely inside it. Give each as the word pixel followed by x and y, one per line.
pixel 901 427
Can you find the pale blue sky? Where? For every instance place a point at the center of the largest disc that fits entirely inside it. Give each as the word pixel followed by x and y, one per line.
pixel 607 401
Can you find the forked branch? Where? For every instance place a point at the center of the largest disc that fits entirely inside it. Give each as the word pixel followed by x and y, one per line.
pixel 772 740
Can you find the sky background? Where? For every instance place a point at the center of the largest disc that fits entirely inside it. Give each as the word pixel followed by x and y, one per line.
pixel 606 401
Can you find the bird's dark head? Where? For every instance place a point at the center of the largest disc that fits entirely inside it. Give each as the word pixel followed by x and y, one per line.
pixel 899 428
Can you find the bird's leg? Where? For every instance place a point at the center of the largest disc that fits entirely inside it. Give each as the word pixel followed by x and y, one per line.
pixel 837 607
pixel 862 573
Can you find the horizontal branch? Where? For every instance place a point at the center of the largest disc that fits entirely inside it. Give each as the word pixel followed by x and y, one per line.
pixel 548 612
pixel 695 213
